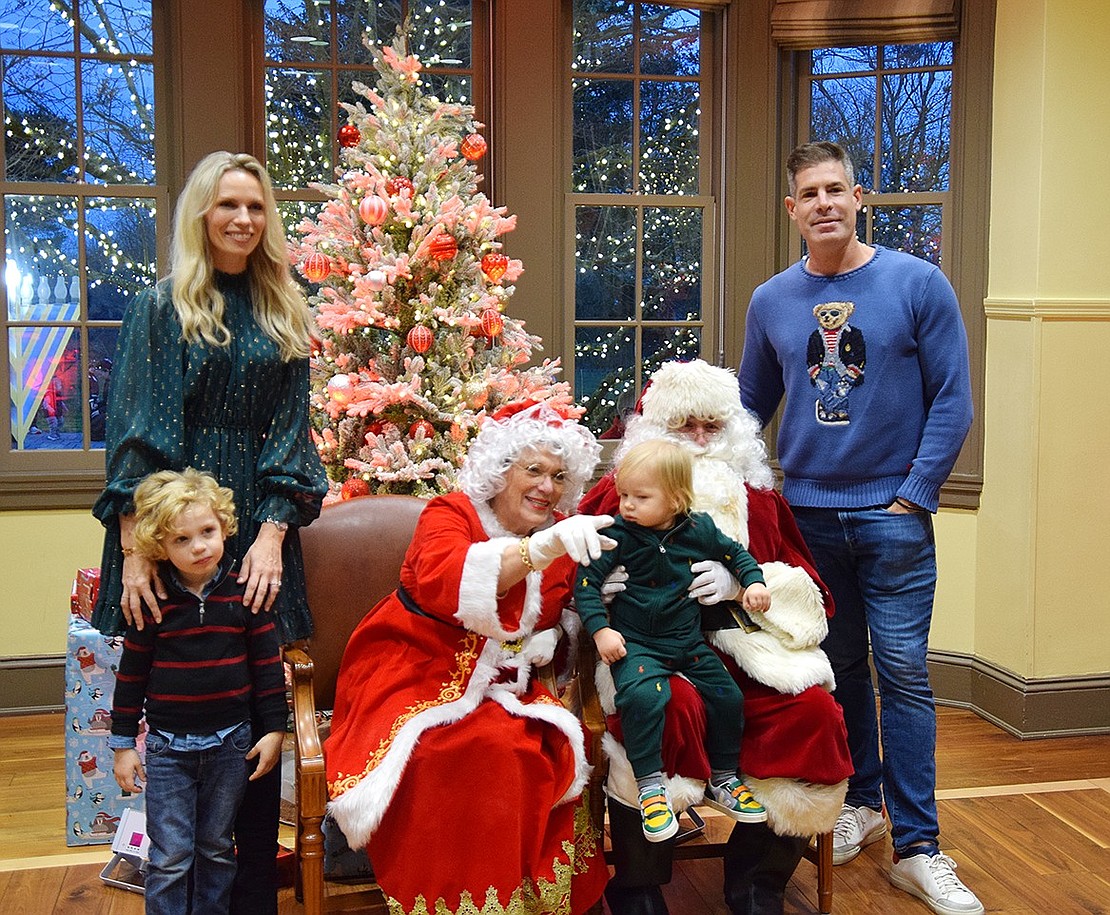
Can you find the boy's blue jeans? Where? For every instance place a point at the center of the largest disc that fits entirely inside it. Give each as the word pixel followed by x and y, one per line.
pixel 881 569
pixel 192 798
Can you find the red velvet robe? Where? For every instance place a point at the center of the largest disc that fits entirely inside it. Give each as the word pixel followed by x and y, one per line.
pixel 461 772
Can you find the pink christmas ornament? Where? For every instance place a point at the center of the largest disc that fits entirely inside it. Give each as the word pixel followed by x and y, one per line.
pixel 373 210
pixel 339 388
pixel 376 280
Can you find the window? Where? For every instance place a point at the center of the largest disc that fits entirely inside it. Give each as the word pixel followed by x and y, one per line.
pixel 890 107
pixel 80 199
pixel 642 214
pixel 314 55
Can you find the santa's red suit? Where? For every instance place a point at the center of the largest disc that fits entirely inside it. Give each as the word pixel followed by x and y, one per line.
pixel 460 771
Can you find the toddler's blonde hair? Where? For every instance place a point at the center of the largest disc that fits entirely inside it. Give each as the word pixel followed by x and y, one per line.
pixel 666 463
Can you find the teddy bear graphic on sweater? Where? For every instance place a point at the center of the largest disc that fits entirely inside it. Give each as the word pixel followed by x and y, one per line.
pixel 835 356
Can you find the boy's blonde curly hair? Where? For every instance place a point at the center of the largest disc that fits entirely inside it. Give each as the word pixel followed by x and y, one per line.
pixel 161 498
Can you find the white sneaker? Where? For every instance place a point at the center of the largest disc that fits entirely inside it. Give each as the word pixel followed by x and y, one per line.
pixel 933 880
pixel 855 828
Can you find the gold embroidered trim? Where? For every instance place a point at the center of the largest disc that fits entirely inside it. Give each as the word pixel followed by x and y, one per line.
pixel 450 691
pixel 545 896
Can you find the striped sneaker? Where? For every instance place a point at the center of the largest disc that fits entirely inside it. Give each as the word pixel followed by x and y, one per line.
pixel 656 814
pixel 735 799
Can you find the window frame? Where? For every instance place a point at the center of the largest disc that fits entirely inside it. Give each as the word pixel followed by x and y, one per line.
pixel 711 326
pixel 62 478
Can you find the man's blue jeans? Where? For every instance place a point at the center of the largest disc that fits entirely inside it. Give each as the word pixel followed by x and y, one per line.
pixel 881 569
pixel 192 799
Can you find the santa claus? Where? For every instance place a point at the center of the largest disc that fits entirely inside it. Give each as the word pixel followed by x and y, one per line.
pixel 794 754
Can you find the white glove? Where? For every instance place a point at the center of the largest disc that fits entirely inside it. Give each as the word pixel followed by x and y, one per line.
pixel 576 537
pixel 613 584
pixel 539 647
pixel 712 583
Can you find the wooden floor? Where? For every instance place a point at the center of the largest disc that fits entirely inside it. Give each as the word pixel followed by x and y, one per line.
pixel 1028 822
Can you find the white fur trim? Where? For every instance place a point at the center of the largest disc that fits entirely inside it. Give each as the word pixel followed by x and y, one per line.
pixel 359 810
pixel 797 618
pixel 797 613
pixel 562 719
pixel 680 390
pixel 797 808
pixel 794 808
pixel 764 658
pixel 605 687
pixel 478 607
pixel 621 785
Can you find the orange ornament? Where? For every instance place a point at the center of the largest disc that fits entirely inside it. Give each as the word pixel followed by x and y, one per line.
pixel 420 338
pixel 353 488
pixel 443 247
pixel 492 323
pixel 494 266
pixel 317 267
pixel 373 210
pixel 474 147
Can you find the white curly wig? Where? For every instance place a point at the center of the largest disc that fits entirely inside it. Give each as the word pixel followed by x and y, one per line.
pixel 502 439
pixel 680 391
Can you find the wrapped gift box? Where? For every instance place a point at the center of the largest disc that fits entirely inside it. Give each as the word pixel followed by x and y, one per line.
pixel 94 802
pixel 85 588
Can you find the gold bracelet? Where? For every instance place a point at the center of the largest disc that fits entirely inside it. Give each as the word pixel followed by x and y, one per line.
pixel 524 557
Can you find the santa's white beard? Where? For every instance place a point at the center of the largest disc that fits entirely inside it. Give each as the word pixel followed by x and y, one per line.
pixel 719 491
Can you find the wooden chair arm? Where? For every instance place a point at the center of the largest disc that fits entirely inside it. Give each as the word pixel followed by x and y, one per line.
pixel 310 781
pixel 306 737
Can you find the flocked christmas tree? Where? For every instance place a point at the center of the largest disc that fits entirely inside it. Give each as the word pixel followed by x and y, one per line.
pixel 415 348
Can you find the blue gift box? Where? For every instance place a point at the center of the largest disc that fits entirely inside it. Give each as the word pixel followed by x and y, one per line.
pixel 94 802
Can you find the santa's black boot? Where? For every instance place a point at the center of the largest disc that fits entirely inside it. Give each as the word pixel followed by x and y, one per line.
pixel 640 867
pixel 758 864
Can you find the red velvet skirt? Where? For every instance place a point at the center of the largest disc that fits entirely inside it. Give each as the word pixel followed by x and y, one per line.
pixel 473 826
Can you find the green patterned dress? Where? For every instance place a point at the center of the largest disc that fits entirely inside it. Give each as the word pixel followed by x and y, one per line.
pixel 238 412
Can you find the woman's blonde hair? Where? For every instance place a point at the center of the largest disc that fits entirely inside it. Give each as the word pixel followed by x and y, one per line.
pixel 161 498
pixel 667 464
pixel 279 305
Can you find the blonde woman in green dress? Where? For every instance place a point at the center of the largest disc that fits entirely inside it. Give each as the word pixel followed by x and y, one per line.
pixel 211 372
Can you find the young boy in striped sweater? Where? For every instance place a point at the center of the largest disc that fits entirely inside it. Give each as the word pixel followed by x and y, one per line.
pixel 199 675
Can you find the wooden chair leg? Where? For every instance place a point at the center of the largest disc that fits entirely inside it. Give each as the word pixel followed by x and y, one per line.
pixel 310 864
pixel 824 872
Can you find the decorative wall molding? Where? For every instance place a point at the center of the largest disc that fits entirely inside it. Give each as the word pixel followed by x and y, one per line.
pixel 1048 707
pixel 1048 309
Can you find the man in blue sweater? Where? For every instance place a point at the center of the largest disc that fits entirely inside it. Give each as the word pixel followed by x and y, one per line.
pixel 868 347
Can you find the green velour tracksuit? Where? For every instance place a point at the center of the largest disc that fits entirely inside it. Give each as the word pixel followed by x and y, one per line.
pixel 661 625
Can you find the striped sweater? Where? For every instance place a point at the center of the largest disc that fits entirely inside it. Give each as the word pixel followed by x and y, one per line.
pixel 208 665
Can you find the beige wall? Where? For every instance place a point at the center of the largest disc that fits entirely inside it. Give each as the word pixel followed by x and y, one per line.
pixel 1041 579
pixel 1024 581
pixel 39 554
